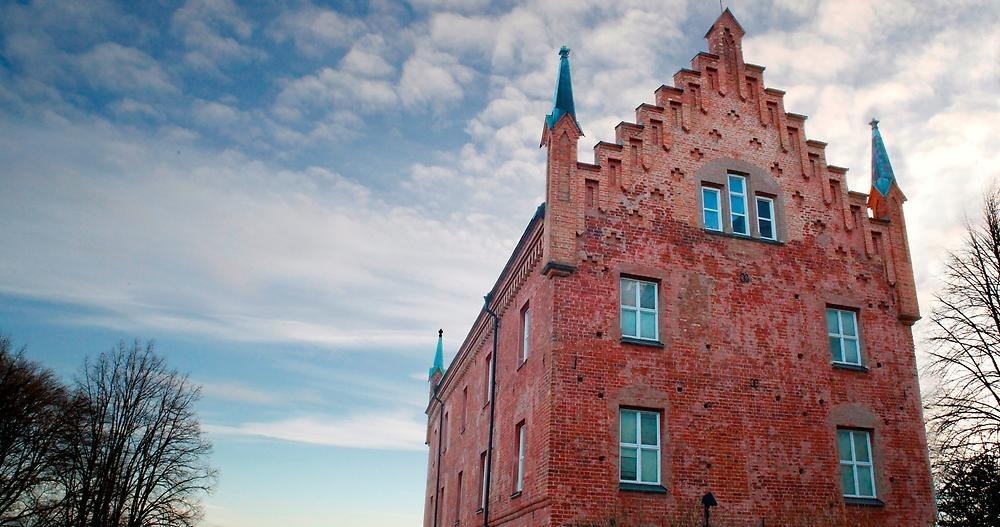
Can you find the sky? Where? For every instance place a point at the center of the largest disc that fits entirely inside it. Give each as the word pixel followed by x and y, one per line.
pixel 291 199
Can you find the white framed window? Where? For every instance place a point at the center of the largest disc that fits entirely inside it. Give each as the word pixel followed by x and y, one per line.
pixel 711 207
pixel 765 218
pixel 525 332
pixel 639 309
pixel 483 483
pixel 842 333
pixel 489 378
pixel 639 446
pixel 738 204
pixel 521 447
pixel 856 474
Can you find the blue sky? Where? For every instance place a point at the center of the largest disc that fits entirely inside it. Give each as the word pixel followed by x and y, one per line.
pixel 291 199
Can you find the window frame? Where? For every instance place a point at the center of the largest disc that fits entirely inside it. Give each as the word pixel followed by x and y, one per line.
pixel 717 212
pixel 638 309
pixel 730 176
pixel 841 337
pixel 525 334
pixel 772 220
pixel 854 463
pixel 488 396
pixel 482 481
pixel 521 433
pixel 639 447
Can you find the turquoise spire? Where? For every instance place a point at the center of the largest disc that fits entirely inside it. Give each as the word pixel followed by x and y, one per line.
pixel 438 357
pixel 882 176
pixel 562 99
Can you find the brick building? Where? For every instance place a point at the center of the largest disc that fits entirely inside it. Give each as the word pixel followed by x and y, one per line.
pixel 705 308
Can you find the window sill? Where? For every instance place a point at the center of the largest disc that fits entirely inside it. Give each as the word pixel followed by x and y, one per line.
pixel 479 510
pixel 642 487
pixel 849 366
pixel 642 342
pixel 743 237
pixel 521 363
pixel 864 502
pixel 515 494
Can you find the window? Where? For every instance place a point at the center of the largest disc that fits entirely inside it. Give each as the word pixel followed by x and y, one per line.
pixel 738 204
pixel 711 208
pixel 640 447
pixel 482 481
pixel 525 332
pixel 489 379
pixel 458 500
pixel 521 447
pixel 444 432
pixel 856 474
pixel 638 309
pixel 842 330
pixel 765 218
pixel 465 404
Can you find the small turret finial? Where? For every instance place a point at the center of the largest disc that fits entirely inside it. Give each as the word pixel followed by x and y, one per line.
pixel 873 123
pixel 562 99
pixel 438 366
pixel 564 52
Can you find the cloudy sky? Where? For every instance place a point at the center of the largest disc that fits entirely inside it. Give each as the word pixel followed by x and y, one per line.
pixel 293 199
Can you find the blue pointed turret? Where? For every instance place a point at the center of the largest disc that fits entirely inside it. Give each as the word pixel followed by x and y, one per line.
pixel 562 99
pixel 882 176
pixel 438 366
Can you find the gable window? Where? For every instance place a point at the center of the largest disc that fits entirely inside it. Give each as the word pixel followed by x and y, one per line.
pixel 842 333
pixel 640 446
pixel 765 218
pixel 489 378
pixel 521 447
pixel 525 332
pixel 856 474
pixel 639 309
pixel 711 208
pixel 738 204
pixel 482 481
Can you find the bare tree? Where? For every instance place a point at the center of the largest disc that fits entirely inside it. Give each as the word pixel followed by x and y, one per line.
pixel 964 414
pixel 136 455
pixel 32 404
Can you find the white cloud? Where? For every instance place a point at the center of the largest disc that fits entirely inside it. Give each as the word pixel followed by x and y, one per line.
pixel 396 431
pixel 213 32
pixel 122 69
pixel 315 30
pixel 431 80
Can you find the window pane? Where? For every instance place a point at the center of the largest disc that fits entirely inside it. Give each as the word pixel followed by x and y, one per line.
pixel 831 322
pixel 865 487
pixel 765 229
pixel 835 351
pixel 628 323
pixel 851 351
pixel 628 292
pixel 629 464
pixel 648 326
pixel 649 468
pixel 844 444
pixel 628 418
pixel 740 224
pixel 763 209
pixel 861 447
pixel 710 198
pixel 712 221
pixel 737 206
pixel 847 479
pixel 847 322
pixel 648 297
pixel 648 428
pixel 735 184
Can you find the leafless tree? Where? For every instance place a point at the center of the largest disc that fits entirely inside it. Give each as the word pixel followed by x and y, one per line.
pixel 32 404
pixel 136 455
pixel 963 415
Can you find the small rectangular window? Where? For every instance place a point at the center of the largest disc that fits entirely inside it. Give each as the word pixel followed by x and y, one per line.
pixel 765 218
pixel 489 378
pixel 639 441
pixel 711 208
pixel 521 447
pixel 458 500
pixel 738 204
pixel 639 309
pixel 842 332
pixel 525 332
pixel 857 476
pixel 482 481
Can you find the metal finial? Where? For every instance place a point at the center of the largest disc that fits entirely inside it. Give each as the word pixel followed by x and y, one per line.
pixel 874 123
pixel 564 51
pixel 440 333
